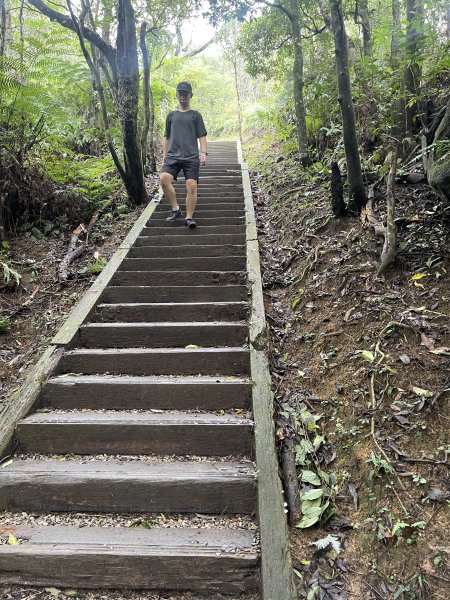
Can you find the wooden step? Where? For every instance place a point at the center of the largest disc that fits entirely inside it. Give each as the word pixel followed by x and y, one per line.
pixel 205 205
pixel 163 361
pixel 174 312
pixel 186 263
pixel 184 559
pixel 181 230
pixel 188 294
pixel 160 335
pixel 161 213
pixel 201 221
pixel 185 251
pixel 144 393
pixel 201 434
pixel 128 486
pixel 180 278
pixel 203 239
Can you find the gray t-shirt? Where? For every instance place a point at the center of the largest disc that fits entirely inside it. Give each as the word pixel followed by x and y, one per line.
pixel 182 130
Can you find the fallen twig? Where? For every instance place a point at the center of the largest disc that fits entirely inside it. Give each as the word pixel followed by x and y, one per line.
pixel 74 251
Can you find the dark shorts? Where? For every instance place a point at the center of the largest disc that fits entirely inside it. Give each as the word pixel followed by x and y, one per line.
pixel 190 168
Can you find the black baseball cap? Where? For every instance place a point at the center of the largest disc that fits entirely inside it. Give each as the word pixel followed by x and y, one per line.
pixel 184 86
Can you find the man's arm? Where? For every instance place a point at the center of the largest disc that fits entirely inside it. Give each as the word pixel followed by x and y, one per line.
pixel 203 148
pixel 165 147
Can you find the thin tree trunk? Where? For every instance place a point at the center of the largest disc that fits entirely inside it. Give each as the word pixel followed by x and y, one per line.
pixel 147 147
pixel 398 107
pixel 362 12
pixel 357 192
pixel 128 97
pixel 396 34
pixel 2 27
pixel 238 96
pixel 302 132
pixel 413 71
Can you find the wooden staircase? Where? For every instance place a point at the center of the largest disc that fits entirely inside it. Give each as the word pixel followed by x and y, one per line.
pixel 160 373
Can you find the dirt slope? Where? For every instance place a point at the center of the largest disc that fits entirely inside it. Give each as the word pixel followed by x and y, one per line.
pixel 360 364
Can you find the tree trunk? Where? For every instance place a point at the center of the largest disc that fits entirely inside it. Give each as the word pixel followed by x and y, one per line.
pixel 2 26
pixel 238 96
pixel 398 108
pixel 124 82
pixel 147 145
pixel 128 97
pixel 413 70
pixel 302 132
pixel 396 34
pixel 362 11
pixel 437 161
pixel 357 192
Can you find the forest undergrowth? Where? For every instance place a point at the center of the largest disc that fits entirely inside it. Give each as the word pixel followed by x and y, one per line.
pixel 33 302
pixel 360 369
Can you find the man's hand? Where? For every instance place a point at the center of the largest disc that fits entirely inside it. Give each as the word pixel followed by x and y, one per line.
pixel 203 158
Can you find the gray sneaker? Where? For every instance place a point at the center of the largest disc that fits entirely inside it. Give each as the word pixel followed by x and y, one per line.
pixel 190 223
pixel 174 215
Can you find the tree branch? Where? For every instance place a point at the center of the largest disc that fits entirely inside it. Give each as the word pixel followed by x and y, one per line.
pixel 93 37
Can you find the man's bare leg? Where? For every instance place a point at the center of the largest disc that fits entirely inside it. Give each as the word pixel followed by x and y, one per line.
pixel 191 197
pixel 168 189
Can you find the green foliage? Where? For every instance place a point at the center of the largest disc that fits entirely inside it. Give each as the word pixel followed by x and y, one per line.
pixel 5 324
pixel 93 178
pixel 9 275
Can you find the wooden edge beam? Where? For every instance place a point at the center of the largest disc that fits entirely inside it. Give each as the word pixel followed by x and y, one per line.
pixel 20 402
pixel 277 576
pixel 83 308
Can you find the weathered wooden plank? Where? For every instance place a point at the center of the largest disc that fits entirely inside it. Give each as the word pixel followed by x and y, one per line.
pixel 201 434
pixel 185 263
pixel 21 401
pixel 174 312
pixel 200 239
pixel 201 221
pixel 147 361
pixel 185 251
pixel 276 563
pixel 144 393
pixel 206 293
pixel 160 335
pixel 208 560
pixel 182 278
pixel 201 213
pixel 206 205
pixel 133 486
pixel 181 230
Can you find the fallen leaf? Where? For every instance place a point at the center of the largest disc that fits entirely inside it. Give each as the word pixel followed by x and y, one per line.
pixel 12 540
pixel 444 350
pixel 295 301
pixel 367 355
pixel 422 392
pixel 427 342
pixel 418 276
pixel 53 591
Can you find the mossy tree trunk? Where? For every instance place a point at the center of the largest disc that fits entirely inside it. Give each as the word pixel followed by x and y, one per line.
pixel 358 196
pixel 413 70
pixel 123 79
pixel 437 160
pixel 293 15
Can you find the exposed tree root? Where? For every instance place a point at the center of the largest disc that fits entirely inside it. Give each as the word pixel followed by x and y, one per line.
pixel 388 231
